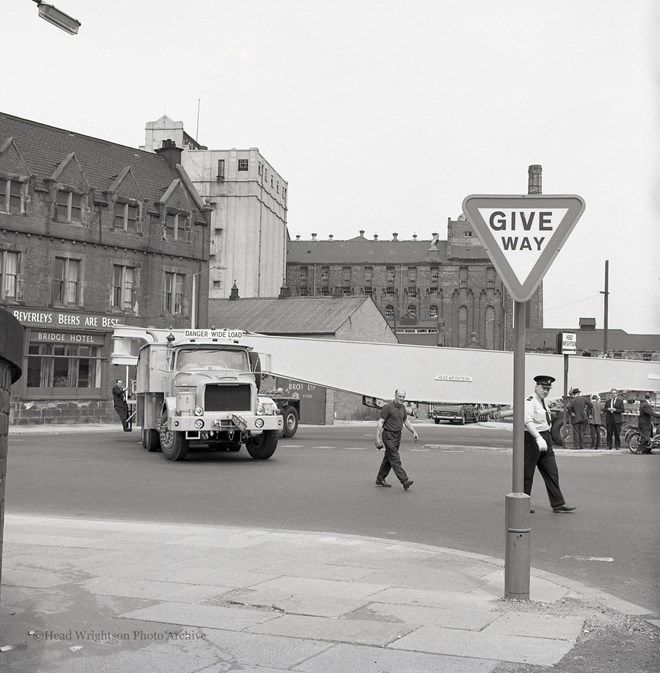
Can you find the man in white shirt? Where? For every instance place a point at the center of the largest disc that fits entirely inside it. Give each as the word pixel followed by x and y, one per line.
pixel 538 445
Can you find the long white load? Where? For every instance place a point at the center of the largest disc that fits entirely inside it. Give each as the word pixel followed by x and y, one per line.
pixel 428 373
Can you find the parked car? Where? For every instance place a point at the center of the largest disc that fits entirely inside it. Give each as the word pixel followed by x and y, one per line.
pixel 455 413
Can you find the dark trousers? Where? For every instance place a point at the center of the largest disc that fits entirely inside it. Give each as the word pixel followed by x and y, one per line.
pixel 122 412
pixel 391 459
pixel 645 439
pixel 579 427
pixel 595 435
pixel 547 465
pixel 613 432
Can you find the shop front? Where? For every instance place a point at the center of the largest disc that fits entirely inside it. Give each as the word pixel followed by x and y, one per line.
pixel 67 376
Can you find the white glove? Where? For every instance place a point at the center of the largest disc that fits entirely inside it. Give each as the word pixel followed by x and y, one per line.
pixel 542 444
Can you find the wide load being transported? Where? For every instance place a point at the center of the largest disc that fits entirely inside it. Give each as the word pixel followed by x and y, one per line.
pixel 202 386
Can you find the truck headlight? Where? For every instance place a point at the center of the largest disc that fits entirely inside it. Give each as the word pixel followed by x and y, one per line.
pixel 259 411
pixel 259 423
pixel 199 423
pixel 199 411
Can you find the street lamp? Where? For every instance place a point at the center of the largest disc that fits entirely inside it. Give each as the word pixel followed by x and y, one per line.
pixel 193 312
pixel 58 18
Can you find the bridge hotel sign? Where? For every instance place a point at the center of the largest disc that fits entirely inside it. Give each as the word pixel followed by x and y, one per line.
pixel 522 235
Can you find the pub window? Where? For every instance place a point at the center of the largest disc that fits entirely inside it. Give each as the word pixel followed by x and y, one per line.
pixel 66 282
pixel 177 226
pixel 11 281
pixel 69 206
pixel 124 288
pixel 126 216
pixel 242 164
pixel 173 294
pixel 13 196
pixel 56 365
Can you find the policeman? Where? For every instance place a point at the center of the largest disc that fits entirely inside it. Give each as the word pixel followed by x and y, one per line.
pixel 538 445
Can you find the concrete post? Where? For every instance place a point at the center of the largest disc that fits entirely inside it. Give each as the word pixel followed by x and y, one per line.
pixel 11 358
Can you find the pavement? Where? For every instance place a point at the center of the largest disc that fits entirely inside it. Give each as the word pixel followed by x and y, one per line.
pixel 82 595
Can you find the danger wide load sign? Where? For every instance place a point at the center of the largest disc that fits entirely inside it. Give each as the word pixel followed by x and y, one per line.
pixel 523 234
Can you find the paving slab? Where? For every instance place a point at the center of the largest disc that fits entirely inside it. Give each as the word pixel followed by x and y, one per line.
pixel 360 659
pixel 519 649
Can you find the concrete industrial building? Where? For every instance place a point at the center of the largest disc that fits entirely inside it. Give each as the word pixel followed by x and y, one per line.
pixel 248 231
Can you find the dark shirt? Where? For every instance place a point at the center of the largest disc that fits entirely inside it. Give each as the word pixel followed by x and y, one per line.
pixel 119 397
pixel 394 416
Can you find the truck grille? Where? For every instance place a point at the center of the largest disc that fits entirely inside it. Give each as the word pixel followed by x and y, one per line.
pixel 227 398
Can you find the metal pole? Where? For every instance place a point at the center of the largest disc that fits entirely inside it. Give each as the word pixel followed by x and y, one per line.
pixel 194 302
pixel 564 427
pixel 517 557
pixel 605 309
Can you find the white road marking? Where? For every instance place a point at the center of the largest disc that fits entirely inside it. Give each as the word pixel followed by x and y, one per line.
pixel 604 559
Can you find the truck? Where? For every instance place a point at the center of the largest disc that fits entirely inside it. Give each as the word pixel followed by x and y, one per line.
pixel 201 387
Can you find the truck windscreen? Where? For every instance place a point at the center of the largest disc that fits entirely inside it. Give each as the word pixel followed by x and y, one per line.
pixel 220 359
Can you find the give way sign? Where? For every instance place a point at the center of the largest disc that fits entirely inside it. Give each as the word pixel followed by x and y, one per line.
pixel 523 234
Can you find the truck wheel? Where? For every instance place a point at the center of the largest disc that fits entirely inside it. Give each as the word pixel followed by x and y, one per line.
pixel 174 445
pixel 151 440
pixel 290 422
pixel 262 446
pixel 555 431
pixel 436 421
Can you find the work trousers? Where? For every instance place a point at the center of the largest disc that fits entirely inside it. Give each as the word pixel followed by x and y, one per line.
pixel 645 439
pixel 547 465
pixel 122 412
pixel 391 459
pixel 595 435
pixel 579 428
pixel 613 432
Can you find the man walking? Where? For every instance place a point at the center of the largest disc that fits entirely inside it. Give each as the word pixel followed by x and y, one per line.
pixel 538 446
pixel 614 419
pixel 393 417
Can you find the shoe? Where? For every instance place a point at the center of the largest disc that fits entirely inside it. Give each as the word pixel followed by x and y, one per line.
pixel 563 508
pixel 382 482
pixel 531 511
pixel 408 484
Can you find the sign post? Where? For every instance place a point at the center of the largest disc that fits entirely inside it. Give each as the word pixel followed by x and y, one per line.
pixel 522 235
pixel 567 346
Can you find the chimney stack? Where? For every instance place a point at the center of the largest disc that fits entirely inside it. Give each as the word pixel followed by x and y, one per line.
pixel 329 237
pixel 171 153
pixel 297 237
pixel 375 237
pixel 362 233
pixel 395 236
pixel 234 292
pixel 414 237
pixel 313 237
pixel 534 179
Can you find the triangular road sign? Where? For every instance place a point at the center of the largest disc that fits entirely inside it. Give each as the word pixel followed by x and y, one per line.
pixel 523 234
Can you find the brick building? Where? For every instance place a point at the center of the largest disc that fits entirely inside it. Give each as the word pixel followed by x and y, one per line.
pixel 431 292
pixel 92 234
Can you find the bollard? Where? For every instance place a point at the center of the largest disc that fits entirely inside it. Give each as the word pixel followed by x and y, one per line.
pixel 518 545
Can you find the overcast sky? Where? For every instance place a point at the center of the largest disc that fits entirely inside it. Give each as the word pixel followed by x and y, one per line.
pixel 384 115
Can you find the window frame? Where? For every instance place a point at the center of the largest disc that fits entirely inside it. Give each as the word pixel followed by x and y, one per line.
pixel 118 292
pixel 170 305
pixel 6 192
pixel 17 276
pixel 67 281
pixel 70 207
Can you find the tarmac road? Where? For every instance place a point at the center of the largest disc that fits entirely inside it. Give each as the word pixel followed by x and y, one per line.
pixel 322 480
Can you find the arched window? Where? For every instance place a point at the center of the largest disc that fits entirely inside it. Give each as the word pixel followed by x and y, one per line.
pixel 433 311
pixel 490 327
pixel 462 326
pixel 389 311
pixel 412 311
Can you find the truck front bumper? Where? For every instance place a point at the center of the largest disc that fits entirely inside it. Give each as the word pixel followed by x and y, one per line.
pixel 255 425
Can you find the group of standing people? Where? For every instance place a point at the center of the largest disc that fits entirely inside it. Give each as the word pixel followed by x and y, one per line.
pixel 587 413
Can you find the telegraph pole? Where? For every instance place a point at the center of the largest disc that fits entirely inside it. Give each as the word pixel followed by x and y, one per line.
pixel 606 294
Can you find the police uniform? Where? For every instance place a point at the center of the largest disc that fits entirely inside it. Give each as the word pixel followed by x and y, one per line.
pixel 538 416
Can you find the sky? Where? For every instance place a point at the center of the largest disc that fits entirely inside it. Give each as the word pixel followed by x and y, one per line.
pixel 384 115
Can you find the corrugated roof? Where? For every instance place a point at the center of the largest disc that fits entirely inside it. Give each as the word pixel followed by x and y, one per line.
pixel 363 251
pixel 294 315
pixel 45 147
